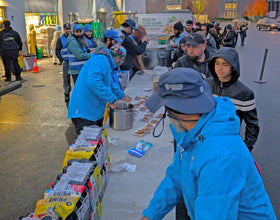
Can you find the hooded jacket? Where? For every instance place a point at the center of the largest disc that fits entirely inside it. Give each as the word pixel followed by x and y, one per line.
pixel 201 67
pixel 10 39
pixel 94 87
pixel 214 172
pixel 242 97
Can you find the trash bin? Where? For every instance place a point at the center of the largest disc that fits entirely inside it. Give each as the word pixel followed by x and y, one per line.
pixel 39 53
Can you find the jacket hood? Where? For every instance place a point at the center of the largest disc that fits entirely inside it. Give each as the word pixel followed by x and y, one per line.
pixel 102 49
pixel 222 120
pixel 231 56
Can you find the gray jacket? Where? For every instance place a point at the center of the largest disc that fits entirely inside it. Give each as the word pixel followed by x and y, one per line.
pixel 201 67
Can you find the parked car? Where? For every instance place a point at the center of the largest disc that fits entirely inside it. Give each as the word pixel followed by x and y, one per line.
pixel 267 24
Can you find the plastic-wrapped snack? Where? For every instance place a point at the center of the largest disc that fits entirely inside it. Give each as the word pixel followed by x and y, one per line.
pixel 140 148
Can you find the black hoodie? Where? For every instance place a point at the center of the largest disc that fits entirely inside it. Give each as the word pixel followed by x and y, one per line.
pixel 10 39
pixel 242 97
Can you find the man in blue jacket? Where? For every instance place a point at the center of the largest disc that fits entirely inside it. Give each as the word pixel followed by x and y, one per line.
pixel 95 87
pixel 212 168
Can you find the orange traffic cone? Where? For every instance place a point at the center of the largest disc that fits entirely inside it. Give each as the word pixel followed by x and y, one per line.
pixel 35 66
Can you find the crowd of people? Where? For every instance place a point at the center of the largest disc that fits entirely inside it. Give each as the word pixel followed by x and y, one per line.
pixel 213 175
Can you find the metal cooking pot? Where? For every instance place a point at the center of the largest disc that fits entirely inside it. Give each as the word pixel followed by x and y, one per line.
pixel 121 118
pixel 160 56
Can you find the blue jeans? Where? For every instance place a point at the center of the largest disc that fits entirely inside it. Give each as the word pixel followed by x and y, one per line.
pixel 242 40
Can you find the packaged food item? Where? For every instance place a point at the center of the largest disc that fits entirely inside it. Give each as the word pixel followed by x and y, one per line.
pixel 145 119
pixel 140 148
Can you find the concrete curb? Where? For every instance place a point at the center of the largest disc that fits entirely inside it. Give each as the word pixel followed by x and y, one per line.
pixel 10 87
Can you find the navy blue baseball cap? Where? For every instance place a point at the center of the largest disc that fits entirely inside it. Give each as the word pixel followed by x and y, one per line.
pixel 183 90
pixel 130 23
pixel 67 26
pixel 113 34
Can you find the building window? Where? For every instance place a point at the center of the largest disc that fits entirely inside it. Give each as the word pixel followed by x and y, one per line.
pixel 173 4
pixel 230 10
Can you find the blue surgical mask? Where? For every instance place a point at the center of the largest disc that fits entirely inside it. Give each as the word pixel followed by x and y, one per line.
pixel 178 136
pixel 177 125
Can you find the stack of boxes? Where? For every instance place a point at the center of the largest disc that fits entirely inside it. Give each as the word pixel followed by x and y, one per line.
pixel 78 190
pixel 44 38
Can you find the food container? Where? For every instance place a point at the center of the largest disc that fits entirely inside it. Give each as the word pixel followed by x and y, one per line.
pixel 121 118
pixel 158 56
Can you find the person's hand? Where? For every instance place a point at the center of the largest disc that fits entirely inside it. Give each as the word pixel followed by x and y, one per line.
pixel 114 105
pixel 126 98
pixel 144 218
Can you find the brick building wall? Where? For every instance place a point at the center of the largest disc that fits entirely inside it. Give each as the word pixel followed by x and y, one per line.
pixel 155 6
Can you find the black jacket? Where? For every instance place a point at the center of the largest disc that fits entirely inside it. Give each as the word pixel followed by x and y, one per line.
pixel 201 67
pixel 228 40
pixel 10 39
pixel 242 97
pixel 131 49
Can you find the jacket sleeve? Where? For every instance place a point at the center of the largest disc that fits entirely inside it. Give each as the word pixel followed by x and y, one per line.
pixel 58 50
pixel 95 83
pixel 18 40
pixel 116 90
pixel 248 112
pixel 132 48
pixel 75 48
pixel 220 200
pixel 167 194
pixel 252 128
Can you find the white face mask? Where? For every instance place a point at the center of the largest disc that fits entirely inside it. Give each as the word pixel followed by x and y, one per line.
pixel 177 125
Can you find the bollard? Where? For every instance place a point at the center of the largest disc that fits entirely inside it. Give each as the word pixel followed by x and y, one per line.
pixel 262 70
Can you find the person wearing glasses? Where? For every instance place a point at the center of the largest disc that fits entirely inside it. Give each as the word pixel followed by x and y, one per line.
pixel 95 88
pixel 212 168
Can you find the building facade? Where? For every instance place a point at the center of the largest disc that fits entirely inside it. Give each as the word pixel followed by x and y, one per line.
pixel 274 6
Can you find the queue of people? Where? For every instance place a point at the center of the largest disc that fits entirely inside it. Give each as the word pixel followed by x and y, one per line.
pixel 213 175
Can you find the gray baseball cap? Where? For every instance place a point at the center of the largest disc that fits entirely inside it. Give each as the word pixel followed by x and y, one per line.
pixel 183 90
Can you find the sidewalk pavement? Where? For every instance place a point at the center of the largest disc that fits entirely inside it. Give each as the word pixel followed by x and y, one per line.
pixel 128 194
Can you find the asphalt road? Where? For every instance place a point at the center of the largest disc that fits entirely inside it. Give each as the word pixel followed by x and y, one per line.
pixel 35 131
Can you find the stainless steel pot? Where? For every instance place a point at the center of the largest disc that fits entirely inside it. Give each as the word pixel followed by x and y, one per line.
pixel 159 56
pixel 121 118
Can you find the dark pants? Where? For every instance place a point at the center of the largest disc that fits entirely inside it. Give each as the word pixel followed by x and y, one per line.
pixel 181 210
pixel 75 77
pixel 79 123
pixel 66 78
pixel 242 40
pixel 10 57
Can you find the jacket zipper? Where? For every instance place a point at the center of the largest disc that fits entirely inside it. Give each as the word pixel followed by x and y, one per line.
pixel 221 88
pixel 181 151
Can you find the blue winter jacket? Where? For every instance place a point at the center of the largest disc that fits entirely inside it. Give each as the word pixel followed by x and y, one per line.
pixel 94 87
pixel 214 172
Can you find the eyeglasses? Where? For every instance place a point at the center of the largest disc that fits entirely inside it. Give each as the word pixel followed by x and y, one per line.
pixel 170 115
pixel 78 30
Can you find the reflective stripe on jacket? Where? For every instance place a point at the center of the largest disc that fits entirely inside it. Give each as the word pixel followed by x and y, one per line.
pixel 74 63
pixel 64 51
